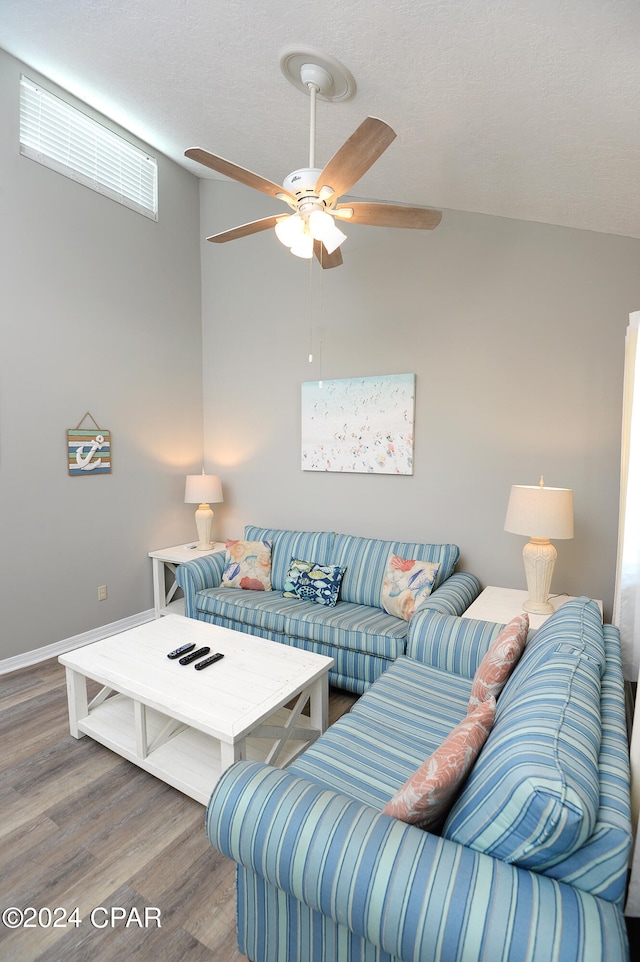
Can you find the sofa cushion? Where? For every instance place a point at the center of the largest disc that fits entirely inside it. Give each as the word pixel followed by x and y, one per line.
pixel 259 609
pixel 309 545
pixel 600 865
pixel 449 642
pixel 366 562
pixel 348 626
pixel 352 670
pixel 407 583
pixel 354 627
pixel 247 565
pixel 405 696
pixel 500 660
pixel 533 795
pixel 369 753
pixel 579 620
pixel 427 795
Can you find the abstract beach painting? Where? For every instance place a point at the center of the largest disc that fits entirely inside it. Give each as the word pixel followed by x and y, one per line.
pixel 362 424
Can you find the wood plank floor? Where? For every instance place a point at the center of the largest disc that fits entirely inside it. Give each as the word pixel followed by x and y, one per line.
pixel 83 828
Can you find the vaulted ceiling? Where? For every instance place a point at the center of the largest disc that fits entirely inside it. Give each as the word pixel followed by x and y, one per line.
pixel 519 108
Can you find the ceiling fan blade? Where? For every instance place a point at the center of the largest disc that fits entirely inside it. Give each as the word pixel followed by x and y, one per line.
pixel 356 156
pixel 254 227
pixel 241 174
pixel 326 259
pixel 389 215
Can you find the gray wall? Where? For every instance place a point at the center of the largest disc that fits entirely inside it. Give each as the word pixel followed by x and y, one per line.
pixel 514 330
pixel 516 334
pixel 100 312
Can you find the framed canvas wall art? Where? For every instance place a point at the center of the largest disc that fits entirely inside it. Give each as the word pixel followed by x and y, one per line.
pixel 362 424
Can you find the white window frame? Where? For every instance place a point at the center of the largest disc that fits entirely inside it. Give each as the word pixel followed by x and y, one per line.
pixel 63 138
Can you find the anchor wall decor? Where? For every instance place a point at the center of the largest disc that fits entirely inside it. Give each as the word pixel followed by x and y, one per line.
pixel 88 451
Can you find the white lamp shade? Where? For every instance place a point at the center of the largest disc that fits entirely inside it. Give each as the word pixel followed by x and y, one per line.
pixel 540 512
pixel 203 489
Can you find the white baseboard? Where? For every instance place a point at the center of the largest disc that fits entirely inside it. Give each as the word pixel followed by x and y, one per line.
pixel 77 641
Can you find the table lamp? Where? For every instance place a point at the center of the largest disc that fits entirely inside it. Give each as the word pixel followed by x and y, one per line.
pixel 203 490
pixel 542 513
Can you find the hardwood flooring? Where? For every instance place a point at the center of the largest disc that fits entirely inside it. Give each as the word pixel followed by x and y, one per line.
pixel 83 828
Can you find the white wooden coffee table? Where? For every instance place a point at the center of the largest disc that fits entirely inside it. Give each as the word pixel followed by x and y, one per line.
pixel 186 726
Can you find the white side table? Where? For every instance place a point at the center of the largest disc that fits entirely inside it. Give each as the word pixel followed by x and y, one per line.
pixel 503 604
pixel 167 559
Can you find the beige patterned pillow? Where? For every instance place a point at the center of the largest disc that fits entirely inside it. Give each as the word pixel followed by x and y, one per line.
pixel 500 660
pixel 407 584
pixel 248 565
pixel 426 797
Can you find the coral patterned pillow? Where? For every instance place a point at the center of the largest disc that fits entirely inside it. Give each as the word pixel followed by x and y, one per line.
pixel 248 565
pixel 500 660
pixel 426 797
pixel 407 584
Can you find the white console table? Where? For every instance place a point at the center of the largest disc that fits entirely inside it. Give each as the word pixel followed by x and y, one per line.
pixel 168 559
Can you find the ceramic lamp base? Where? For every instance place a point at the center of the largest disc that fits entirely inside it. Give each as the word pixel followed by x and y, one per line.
pixel 204 520
pixel 539 559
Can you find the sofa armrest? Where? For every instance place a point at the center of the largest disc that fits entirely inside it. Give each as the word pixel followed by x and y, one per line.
pixel 451 643
pixel 415 895
pixel 455 595
pixel 197 575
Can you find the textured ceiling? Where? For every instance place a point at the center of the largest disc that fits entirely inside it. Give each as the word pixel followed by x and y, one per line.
pixel 519 108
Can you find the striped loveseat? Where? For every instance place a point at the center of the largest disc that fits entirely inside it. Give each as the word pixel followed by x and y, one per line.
pixel 531 863
pixel 362 639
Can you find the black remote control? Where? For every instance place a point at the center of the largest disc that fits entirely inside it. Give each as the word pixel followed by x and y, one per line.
pixel 182 650
pixel 193 655
pixel 208 661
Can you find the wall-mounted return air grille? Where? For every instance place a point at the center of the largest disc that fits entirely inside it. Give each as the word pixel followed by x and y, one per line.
pixel 63 138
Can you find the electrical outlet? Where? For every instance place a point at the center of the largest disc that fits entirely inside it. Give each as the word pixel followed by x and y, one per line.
pixel 102 593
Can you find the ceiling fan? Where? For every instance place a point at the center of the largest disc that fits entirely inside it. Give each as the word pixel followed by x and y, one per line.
pixel 312 193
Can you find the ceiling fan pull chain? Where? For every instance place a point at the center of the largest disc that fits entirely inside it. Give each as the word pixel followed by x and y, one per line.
pixel 311 311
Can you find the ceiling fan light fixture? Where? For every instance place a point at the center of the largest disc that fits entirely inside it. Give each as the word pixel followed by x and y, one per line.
pixel 323 228
pixel 333 241
pixel 290 229
pixel 303 247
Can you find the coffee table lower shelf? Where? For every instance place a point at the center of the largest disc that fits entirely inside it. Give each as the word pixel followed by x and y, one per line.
pixel 189 760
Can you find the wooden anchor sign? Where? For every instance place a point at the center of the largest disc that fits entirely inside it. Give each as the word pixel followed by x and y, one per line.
pixel 88 451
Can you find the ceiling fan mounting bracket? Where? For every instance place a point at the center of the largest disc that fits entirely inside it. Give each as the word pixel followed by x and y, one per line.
pixel 313 75
pixel 305 67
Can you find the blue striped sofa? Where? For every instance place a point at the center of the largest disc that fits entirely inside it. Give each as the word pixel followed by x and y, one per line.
pixel 362 639
pixel 531 863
